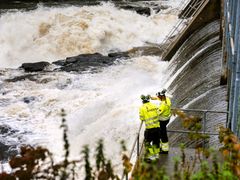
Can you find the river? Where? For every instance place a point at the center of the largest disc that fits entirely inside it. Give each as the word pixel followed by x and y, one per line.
pixel 102 104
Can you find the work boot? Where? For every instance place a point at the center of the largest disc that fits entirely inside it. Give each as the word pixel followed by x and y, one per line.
pixel 152 154
pixel 153 157
pixel 164 148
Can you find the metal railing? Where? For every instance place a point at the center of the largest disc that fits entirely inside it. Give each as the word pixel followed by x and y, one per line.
pixel 138 147
pixel 183 22
pixel 232 51
pixel 204 120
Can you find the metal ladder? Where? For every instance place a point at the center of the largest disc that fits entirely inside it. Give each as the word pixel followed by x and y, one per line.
pixel 182 23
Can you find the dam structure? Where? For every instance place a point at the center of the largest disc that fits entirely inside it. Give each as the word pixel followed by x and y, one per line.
pixel 83 57
pixel 204 54
pixel 195 56
pixel 203 50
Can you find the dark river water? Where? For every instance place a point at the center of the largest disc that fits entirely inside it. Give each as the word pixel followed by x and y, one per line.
pixel 31 4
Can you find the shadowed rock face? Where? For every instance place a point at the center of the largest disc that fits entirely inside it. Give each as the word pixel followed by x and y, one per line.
pixel 91 62
pixel 30 77
pixel 6 150
pixel 139 6
pixel 80 63
pixel 197 86
pixel 34 67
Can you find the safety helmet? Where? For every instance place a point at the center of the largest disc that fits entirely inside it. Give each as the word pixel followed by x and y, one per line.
pixel 145 98
pixel 161 93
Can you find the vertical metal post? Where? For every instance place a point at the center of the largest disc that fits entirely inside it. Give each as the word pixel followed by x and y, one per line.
pixel 204 127
pixel 236 93
pixel 226 21
pixel 234 78
pixel 238 68
pixel 233 63
pixel 138 149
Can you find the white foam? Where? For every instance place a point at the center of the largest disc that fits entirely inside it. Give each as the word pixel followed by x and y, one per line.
pixel 101 105
pixel 48 34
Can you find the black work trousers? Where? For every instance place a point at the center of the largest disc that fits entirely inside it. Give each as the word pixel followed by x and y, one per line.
pixel 152 136
pixel 163 131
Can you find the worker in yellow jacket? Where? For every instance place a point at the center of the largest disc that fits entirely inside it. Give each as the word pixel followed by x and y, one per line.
pixel 164 118
pixel 148 113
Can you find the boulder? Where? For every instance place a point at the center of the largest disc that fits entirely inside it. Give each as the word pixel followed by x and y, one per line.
pixel 30 77
pixel 138 9
pixel 119 55
pixel 90 62
pixel 7 151
pixel 29 99
pixel 35 67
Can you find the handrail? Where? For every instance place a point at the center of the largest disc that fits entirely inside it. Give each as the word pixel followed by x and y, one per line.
pixel 200 110
pixel 182 131
pixel 182 23
pixel 178 24
pixel 136 142
pixel 204 120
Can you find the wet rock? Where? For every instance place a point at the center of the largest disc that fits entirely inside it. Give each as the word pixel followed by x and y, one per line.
pixel 7 151
pixel 7 148
pixel 119 55
pixel 144 11
pixel 163 7
pixel 140 10
pixel 35 67
pixel 80 63
pixel 44 80
pixel 86 61
pixel 3 149
pixel 6 130
pixel 22 78
pixel 90 62
pixel 146 51
pixel 29 99
pixel 60 62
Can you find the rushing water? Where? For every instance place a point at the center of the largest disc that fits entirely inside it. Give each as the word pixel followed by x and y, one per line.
pixel 55 33
pixel 98 105
pixel 103 104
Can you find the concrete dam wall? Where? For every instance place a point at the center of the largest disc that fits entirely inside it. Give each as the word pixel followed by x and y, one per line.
pixel 197 65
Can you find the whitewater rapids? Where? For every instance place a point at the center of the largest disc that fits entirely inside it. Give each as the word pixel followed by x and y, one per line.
pixel 98 105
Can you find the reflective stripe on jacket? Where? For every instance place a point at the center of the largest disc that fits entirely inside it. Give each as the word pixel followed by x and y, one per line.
pixel 165 110
pixel 148 112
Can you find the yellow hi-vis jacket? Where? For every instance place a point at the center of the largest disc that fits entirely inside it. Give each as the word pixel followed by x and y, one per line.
pixel 148 112
pixel 165 109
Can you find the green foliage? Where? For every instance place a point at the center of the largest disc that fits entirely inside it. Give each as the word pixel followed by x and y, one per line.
pixel 146 171
pixel 100 159
pixel 88 168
